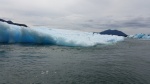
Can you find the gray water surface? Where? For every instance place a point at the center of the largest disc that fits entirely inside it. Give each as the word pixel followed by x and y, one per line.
pixel 126 62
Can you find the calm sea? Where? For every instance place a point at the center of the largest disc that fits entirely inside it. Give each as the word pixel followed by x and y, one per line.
pixel 126 62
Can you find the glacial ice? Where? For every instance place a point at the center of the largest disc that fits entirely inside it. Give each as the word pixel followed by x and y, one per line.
pixel 140 36
pixel 44 35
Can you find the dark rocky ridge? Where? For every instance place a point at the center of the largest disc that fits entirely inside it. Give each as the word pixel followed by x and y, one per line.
pixel 114 32
pixel 10 22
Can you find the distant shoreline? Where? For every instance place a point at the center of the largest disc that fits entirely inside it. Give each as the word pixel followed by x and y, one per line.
pixel 10 22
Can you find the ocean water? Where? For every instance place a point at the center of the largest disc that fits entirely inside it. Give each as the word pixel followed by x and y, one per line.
pixel 126 62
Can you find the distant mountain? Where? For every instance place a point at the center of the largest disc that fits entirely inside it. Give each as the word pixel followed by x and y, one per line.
pixel 10 22
pixel 114 32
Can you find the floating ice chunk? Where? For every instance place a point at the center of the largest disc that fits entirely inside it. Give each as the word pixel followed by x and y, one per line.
pixel 140 36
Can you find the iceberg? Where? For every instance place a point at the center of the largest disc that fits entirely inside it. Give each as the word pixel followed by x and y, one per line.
pixel 140 36
pixel 44 35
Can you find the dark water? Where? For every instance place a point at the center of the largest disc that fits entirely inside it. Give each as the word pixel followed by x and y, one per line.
pixel 126 62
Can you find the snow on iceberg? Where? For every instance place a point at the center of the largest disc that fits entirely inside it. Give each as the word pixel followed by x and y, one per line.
pixel 42 35
pixel 140 36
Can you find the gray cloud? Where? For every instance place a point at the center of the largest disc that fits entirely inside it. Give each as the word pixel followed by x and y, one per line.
pixel 86 15
pixel 130 23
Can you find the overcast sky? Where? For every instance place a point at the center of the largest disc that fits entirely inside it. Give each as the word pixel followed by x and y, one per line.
pixel 130 16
